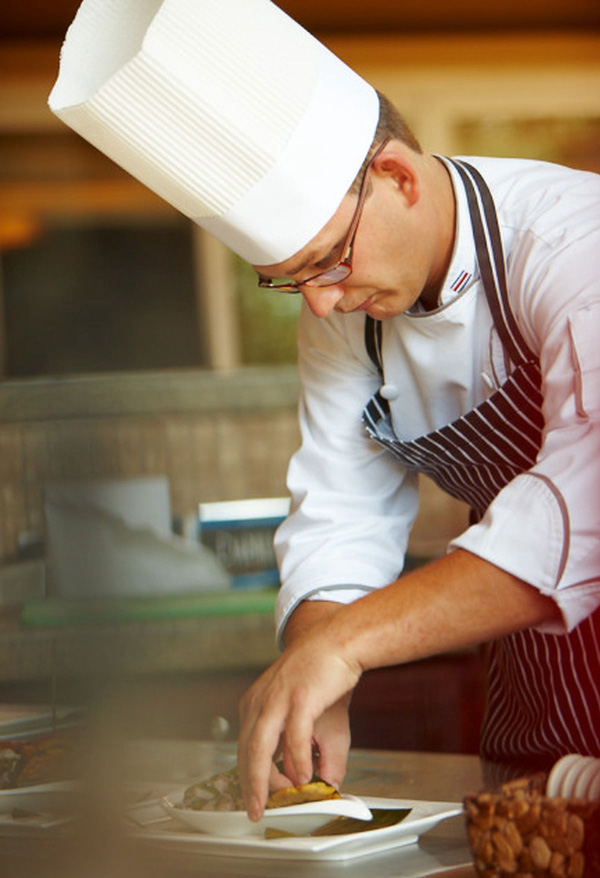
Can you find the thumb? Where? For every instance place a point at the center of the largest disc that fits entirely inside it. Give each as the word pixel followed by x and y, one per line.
pixel 332 766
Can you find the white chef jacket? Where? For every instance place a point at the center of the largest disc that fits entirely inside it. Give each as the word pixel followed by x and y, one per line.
pixel 353 503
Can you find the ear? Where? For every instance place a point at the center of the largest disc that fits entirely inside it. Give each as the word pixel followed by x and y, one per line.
pixel 400 165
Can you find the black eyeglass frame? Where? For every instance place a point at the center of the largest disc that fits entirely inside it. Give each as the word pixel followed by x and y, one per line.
pixel 343 269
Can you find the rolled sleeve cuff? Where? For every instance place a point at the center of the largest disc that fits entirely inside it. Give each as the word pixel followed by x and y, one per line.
pixel 289 598
pixel 526 532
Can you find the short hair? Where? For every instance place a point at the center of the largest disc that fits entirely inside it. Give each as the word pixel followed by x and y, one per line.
pixel 392 125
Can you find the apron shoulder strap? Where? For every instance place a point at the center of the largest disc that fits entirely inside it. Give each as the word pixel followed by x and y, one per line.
pixel 377 406
pixel 490 256
pixel 373 334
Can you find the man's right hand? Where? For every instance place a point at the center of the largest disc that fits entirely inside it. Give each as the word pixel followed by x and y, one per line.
pixel 332 729
pixel 298 708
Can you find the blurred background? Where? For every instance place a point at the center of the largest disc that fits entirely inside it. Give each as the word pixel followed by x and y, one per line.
pixel 134 347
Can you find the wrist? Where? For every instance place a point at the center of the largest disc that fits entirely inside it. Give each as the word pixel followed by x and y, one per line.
pixel 306 615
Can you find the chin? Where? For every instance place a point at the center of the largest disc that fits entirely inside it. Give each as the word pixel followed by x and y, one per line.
pixel 386 307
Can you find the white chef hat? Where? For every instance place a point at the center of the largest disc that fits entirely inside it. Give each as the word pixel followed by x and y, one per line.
pixel 228 109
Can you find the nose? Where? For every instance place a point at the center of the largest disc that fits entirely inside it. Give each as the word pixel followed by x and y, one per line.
pixel 322 300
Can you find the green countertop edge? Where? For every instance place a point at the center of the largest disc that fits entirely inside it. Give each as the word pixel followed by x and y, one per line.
pixel 59 612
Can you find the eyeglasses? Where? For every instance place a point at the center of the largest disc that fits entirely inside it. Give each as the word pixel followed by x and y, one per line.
pixel 342 269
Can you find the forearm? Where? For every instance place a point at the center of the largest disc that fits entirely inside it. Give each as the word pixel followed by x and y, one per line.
pixel 456 601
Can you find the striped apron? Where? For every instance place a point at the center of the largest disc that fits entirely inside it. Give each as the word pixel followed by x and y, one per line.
pixel 543 691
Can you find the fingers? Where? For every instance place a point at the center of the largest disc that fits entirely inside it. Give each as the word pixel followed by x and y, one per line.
pixel 280 711
pixel 257 745
pixel 268 722
pixel 332 732
pixel 332 765
pixel 278 780
pixel 298 745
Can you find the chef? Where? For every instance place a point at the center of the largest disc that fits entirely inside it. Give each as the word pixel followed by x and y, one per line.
pixel 450 318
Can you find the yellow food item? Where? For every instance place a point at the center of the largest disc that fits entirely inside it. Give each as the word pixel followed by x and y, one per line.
pixel 315 791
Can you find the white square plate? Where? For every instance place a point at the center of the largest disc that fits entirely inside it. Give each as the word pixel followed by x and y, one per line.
pixel 423 816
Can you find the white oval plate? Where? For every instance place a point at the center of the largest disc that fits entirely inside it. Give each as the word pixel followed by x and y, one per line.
pixel 297 819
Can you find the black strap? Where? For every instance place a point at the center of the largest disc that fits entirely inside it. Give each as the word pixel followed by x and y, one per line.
pixel 377 407
pixel 373 332
pixel 495 285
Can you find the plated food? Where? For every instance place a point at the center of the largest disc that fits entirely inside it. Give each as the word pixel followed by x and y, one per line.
pixel 38 760
pixel 216 806
pixel 222 792
pixel 315 791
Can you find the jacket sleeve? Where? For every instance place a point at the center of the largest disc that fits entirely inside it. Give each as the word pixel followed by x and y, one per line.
pixel 352 503
pixel 544 526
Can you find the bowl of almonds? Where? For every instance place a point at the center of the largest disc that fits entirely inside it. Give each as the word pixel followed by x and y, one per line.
pixel 520 831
